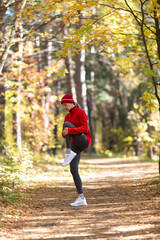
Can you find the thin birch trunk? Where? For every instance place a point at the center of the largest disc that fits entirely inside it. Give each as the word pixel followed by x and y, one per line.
pixel 39 68
pixel 46 109
pixel 83 80
pixel 56 116
pixel 91 113
pixel 39 57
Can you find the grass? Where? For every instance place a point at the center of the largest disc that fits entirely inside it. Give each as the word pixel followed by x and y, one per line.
pixel 154 181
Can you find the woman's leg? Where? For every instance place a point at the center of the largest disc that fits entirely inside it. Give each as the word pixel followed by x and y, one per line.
pixel 81 200
pixel 80 140
pixel 80 144
pixel 68 138
pixel 74 170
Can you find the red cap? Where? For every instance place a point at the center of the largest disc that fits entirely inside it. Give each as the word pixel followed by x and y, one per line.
pixel 67 99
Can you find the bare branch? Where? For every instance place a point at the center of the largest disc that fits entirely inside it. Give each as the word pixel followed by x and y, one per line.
pixel 11 37
pixel 33 29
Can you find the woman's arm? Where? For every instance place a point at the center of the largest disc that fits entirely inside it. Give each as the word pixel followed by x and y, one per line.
pixel 83 128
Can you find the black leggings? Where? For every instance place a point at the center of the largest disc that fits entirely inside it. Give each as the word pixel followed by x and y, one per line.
pixel 79 145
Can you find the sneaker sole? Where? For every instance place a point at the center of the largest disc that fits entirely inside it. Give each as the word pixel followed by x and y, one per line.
pixel 77 205
pixel 64 165
pixel 69 161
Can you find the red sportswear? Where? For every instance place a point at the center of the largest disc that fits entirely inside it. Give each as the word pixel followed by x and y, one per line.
pixel 79 119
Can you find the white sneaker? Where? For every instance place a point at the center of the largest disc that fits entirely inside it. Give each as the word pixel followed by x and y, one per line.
pixel 68 158
pixel 79 202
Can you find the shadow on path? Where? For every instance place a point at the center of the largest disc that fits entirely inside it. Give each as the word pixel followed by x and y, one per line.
pixel 121 206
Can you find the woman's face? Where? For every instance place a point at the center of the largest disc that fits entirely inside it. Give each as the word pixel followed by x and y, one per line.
pixel 68 106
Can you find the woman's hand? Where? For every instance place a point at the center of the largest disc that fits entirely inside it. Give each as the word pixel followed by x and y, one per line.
pixel 65 131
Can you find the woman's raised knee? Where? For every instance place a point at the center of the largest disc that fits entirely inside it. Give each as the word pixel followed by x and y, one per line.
pixel 66 124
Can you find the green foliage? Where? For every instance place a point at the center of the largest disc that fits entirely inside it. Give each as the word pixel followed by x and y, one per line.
pixel 149 72
pixel 154 181
pixel 146 129
pixel 128 141
pixel 108 153
pixel 151 101
pixel 13 170
pixel 121 136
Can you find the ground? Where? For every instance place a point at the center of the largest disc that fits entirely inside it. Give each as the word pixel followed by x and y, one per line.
pixel 123 203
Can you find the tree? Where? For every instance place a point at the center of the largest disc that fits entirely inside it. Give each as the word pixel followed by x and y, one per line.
pixel 8 32
pixel 148 20
pixel 66 30
pixel 2 114
pixel 128 32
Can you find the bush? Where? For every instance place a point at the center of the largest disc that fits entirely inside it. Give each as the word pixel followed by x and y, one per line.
pixel 13 169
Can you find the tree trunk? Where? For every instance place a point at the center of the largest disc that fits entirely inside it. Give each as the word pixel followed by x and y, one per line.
pixel 80 78
pixel 157 26
pixel 47 95
pixel 69 78
pixel 18 114
pixel 39 57
pixel 68 64
pixel 39 68
pixel 155 80
pixel 2 115
pixel 91 113
pixel 56 116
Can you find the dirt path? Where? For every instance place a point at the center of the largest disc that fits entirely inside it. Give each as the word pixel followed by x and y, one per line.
pixel 122 205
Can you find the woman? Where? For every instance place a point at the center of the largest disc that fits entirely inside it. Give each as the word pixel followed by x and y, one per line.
pixel 78 137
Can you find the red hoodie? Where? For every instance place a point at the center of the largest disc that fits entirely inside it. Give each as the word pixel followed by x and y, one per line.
pixel 79 119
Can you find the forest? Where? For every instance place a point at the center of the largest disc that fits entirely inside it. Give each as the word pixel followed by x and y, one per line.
pixel 105 53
